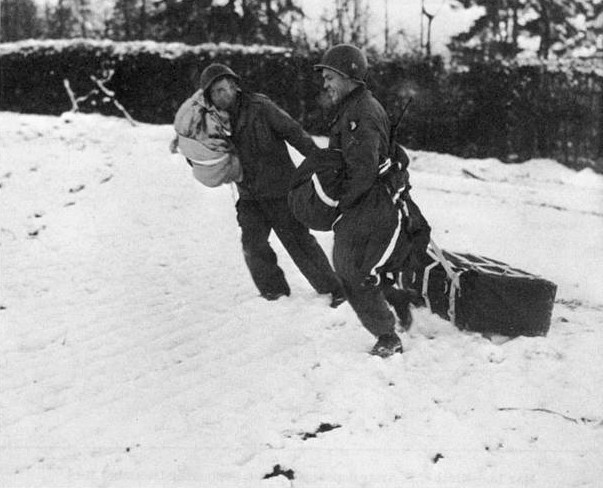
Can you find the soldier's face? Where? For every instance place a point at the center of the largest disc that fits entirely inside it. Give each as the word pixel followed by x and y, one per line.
pixel 336 85
pixel 223 93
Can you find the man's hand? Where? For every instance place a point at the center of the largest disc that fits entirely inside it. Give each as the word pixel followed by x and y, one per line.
pixel 174 145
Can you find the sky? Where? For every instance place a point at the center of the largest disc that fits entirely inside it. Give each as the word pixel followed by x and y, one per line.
pixel 405 15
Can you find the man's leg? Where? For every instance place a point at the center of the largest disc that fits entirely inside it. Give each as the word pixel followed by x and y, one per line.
pixel 400 300
pixel 259 256
pixel 370 305
pixel 302 247
pixel 367 301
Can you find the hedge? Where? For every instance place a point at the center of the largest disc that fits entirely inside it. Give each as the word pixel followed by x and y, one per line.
pixel 513 112
pixel 150 79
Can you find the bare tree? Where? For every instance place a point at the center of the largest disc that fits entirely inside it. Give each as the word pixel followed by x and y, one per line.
pixel 349 23
pixel 427 16
pixel 19 20
pixel 83 13
pixel 61 20
pixel 555 24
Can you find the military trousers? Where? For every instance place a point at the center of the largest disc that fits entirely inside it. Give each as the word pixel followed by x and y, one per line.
pixel 370 302
pixel 257 219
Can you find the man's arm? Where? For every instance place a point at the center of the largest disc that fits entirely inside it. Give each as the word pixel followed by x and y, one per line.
pixel 289 129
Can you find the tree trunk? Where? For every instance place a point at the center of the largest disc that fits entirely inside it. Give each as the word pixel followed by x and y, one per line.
pixel 545 35
pixel 127 21
pixel 142 20
pixel 600 148
pixel 61 21
pixel 515 32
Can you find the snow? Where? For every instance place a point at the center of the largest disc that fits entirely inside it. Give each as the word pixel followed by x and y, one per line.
pixel 134 350
pixel 167 50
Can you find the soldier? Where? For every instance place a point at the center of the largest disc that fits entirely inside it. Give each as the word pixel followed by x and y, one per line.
pixel 361 131
pixel 259 132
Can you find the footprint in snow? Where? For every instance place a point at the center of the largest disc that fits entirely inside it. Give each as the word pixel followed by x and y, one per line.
pixel 77 189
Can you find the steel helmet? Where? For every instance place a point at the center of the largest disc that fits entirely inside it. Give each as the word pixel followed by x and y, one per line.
pixel 213 72
pixel 347 60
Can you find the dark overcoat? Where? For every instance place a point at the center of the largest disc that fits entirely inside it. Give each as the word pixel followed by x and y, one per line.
pixel 260 132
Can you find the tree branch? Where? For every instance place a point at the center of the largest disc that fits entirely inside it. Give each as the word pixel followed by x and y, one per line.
pixel 75 101
pixel 111 95
pixel 581 420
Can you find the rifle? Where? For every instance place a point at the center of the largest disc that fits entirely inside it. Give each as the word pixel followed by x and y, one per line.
pixel 394 129
pixel 396 176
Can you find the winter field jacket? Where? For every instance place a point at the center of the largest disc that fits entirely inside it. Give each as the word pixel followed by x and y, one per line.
pixel 360 130
pixel 376 232
pixel 260 129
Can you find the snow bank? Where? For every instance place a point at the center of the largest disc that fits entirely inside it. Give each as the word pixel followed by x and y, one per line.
pixel 134 350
